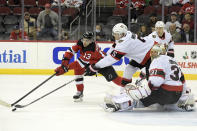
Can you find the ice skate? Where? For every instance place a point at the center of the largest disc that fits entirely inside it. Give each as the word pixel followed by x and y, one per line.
pixel 78 97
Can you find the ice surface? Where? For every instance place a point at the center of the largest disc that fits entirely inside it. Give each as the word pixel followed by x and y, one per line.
pixel 58 112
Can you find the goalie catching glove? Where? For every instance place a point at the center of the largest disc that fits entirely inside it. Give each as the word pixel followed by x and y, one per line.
pixel 63 68
pixel 138 92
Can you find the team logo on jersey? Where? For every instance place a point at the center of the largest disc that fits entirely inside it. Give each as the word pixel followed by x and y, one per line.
pixel 154 36
pixel 194 54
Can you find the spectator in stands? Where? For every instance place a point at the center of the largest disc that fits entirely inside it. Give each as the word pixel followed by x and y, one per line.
pixel 188 20
pixel 29 26
pixel 143 31
pixel 173 20
pixel 179 2
pixel 100 35
pixel 148 2
pixel 166 2
pixel 55 2
pixel 83 7
pixel 78 4
pixel 47 22
pixel 16 2
pixel 121 3
pixel 187 35
pixel 187 8
pixel 152 21
pixel 65 35
pixel 137 8
pixel 73 3
pixel 16 34
pixel 176 36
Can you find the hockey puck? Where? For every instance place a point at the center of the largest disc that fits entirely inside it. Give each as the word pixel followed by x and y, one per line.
pixel 14 109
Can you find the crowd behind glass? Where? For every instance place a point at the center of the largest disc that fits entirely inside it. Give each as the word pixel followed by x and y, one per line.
pixel 40 18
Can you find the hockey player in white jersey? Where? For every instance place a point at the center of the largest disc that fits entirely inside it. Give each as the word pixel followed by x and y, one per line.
pixel 166 87
pixel 161 36
pixel 129 45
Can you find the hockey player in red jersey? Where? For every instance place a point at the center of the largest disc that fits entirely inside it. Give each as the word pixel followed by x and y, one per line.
pixel 90 53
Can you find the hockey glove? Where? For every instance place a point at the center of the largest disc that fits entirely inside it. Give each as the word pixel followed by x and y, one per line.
pixel 91 70
pixel 170 53
pixel 63 68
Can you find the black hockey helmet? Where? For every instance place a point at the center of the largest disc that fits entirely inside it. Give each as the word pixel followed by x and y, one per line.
pixel 88 35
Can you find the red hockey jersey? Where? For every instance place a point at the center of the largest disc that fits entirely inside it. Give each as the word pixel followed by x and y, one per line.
pixel 88 55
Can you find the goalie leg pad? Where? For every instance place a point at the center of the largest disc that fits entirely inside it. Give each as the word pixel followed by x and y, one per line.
pixel 117 99
pixel 120 102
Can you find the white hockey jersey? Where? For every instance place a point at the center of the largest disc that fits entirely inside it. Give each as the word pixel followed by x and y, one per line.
pixel 165 39
pixel 165 73
pixel 130 46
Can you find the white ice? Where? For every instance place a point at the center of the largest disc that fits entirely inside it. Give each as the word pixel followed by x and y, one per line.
pixel 58 112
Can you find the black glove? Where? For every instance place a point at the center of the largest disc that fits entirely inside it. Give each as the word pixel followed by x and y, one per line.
pixel 170 53
pixel 91 70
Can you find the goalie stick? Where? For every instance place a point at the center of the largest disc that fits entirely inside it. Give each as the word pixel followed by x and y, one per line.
pixel 22 106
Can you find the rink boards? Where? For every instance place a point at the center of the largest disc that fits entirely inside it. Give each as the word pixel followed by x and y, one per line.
pixel 43 57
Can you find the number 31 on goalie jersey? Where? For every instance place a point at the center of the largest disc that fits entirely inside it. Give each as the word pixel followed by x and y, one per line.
pixel 176 71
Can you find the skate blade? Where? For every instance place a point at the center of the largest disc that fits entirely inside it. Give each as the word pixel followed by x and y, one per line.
pixel 78 100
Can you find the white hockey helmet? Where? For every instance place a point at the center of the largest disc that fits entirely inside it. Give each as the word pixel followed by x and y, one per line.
pixel 119 28
pixel 159 24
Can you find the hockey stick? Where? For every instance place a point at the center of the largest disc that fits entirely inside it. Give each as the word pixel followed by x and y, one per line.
pixel 3 103
pixel 33 90
pixel 22 106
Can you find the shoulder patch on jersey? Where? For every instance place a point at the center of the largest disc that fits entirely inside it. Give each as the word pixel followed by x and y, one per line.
pixel 120 41
pixel 154 36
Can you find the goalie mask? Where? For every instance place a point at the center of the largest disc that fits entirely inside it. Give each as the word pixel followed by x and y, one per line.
pixel 156 51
